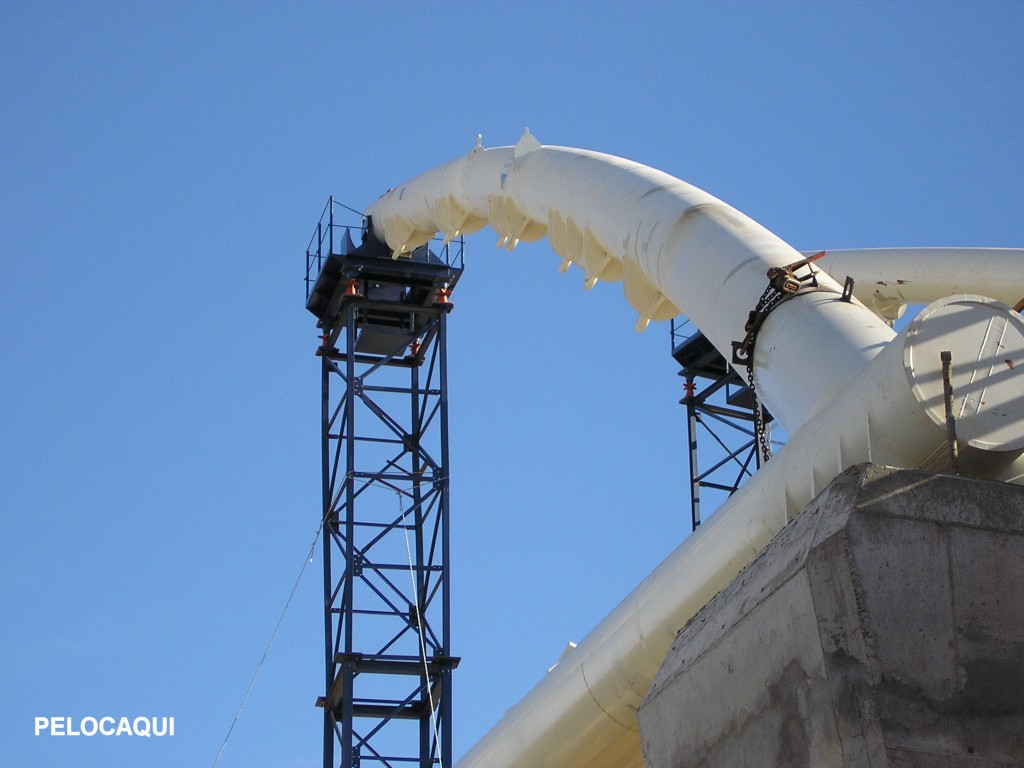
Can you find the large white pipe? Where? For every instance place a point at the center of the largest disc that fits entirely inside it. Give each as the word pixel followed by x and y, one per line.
pixel 674 246
pixel 888 279
pixel 868 401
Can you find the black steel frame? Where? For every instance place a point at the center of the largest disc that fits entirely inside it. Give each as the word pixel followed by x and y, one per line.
pixel 719 422
pixel 385 479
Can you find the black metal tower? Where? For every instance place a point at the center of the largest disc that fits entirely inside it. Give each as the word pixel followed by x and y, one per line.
pixel 384 450
pixel 719 417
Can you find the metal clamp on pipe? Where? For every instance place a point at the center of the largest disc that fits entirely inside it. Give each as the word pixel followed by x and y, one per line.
pixel 784 279
pixel 784 282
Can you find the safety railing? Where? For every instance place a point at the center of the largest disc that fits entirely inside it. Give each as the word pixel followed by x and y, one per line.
pixel 335 229
pixel 680 329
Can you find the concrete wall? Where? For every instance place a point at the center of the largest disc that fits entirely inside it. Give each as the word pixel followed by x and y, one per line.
pixel 883 627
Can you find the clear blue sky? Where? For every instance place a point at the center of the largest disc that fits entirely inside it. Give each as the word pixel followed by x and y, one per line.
pixel 162 168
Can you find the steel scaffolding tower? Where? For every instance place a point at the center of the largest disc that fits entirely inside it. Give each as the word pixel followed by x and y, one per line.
pixel 384 450
pixel 721 445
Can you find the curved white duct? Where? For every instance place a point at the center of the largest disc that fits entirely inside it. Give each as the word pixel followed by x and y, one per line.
pixel 676 248
pixel 888 279
pixel 822 363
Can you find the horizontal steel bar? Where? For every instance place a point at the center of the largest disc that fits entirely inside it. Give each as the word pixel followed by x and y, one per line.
pixel 718 486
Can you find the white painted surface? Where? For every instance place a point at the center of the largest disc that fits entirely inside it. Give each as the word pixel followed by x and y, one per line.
pixel 676 247
pixel 824 367
pixel 887 279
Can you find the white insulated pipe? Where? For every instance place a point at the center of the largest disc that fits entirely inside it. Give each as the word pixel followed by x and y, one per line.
pixel 676 248
pixel 823 365
pixel 888 279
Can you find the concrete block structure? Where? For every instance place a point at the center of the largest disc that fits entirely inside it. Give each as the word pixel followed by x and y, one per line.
pixel 884 626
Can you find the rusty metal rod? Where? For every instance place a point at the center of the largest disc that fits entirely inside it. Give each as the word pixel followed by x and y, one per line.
pixel 947 395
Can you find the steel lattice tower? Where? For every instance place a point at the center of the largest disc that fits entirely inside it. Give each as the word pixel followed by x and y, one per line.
pixel 385 477
pixel 722 412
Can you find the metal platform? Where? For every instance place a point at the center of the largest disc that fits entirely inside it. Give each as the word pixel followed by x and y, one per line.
pixel 395 293
pixel 722 448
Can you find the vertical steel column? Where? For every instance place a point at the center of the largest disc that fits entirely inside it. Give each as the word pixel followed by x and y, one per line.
pixel 349 756
pixel 417 610
pixel 691 444
pixel 327 525
pixel 445 720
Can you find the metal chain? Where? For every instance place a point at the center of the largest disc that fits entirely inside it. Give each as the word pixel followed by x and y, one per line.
pixel 782 284
pixel 760 430
pixel 768 301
